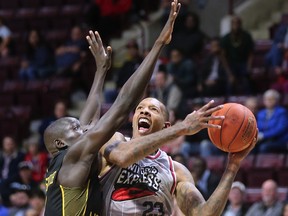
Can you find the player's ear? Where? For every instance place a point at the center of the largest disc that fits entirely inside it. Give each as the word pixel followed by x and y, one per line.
pixel 167 124
pixel 59 144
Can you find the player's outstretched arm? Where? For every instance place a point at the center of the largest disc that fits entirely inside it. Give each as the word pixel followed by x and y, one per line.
pixel 92 108
pixel 124 154
pixel 81 155
pixel 190 200
pixel 131 92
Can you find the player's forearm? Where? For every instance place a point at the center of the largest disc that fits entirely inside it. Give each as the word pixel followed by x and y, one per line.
pixel 92 108
pixel 217 201
pixel 128 153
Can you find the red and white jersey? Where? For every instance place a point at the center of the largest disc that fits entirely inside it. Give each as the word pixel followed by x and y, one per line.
pixel 144 188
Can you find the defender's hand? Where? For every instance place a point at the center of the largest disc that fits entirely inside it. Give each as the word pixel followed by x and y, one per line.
pixel 101 56
pixel 166 33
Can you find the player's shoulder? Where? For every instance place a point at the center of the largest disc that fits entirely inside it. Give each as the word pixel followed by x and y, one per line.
pixel 182 173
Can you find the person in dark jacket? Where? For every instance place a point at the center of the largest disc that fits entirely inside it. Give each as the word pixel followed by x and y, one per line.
pixel 10 158
pixel 205 180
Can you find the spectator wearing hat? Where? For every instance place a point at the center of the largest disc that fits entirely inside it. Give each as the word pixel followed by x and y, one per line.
pixel 236 205
pixel 19 199
pixel 23 181
pixel 269 205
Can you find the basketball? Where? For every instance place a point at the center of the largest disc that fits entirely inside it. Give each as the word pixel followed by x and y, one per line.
pixel 237 129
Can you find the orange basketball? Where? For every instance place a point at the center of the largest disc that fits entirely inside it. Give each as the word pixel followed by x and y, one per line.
pixel 237 129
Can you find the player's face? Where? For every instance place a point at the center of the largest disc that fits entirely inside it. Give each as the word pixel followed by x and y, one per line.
pixel 148 118
pixel 74 130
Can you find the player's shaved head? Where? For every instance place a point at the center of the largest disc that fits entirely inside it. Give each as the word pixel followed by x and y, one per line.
pixel 54 131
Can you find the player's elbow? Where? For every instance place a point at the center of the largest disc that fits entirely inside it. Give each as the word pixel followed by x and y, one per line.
pixel 121 161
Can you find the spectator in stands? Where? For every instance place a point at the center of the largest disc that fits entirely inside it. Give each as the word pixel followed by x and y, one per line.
pixel 36 203
pixel 274 57
pixel 205 180
pixel 38 59
pixel 179 158
pixel 238 49
pixel 285 209
pixel 190 39
pixel 3 210
pixel 60 110
pixel 70 55
pixel 183 73
pixel 272 122
pixel 10 157
pixel 269 205
pixel 236 201
pixel 19 201
pixel 215 73
pixel 5 39
pixel 38 159
pixel 166 91
pixel 128 68
pixel 23 181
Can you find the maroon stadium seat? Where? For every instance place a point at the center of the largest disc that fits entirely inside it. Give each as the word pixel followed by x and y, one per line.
pixel 52 2
pixel 30 3
pixel 9 4
pixel 248 162
pixel 48 12
pixel 7 99
pixel 256 176
pixel 282 177
pixel 216 163
pixel 253 195
pixel 275 161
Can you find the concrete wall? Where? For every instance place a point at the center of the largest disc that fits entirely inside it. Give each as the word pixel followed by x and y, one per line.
pixel 211 15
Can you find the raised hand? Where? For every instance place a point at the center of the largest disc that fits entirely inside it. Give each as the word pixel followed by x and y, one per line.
pixel 166 34
pixel 198 120
pixel 102 56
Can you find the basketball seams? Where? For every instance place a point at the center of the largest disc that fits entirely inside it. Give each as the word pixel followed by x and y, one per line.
pixel 239 128
pixel 220 136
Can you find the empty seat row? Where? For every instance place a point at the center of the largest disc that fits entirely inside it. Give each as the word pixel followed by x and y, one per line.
pixel 37 3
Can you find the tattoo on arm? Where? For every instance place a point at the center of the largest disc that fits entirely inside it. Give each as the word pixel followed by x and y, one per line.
pixel 109 149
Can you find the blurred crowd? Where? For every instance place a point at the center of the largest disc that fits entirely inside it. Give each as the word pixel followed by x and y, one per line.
pixel 192 68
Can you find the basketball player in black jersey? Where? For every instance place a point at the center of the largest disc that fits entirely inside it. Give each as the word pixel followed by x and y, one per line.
pixel 72 175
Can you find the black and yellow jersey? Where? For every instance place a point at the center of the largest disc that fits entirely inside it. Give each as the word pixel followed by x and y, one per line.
pixel 64 201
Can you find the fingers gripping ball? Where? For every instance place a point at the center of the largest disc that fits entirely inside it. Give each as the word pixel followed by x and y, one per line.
pixel 237 129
